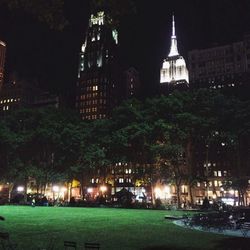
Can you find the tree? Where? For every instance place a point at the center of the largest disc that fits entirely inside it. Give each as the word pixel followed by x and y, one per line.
pixel 49 12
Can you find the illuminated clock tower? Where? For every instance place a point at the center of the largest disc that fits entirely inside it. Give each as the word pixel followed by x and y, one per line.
pixel 174 73
pixel 97 90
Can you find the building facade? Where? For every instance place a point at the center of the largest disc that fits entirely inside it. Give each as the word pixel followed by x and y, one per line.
pixel 132 86
pixel 19 93
pixel 2 62
pixel 221 66
pixel 174 73
pixel 98 88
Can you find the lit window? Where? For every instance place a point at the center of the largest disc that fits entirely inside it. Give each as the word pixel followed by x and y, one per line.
pixel 219 173
pixel 95 88
pixel 120 180
pixel 198 184
pixel 215 173
pixel 216 183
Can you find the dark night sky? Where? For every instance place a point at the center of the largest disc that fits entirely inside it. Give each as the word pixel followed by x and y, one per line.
pixel 51 56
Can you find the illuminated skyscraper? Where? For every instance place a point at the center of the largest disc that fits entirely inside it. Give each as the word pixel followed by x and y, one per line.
pixel 2 61
pixel 174 71
pixel 98 90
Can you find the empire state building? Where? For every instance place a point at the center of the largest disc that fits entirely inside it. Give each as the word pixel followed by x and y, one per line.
pixel 174 72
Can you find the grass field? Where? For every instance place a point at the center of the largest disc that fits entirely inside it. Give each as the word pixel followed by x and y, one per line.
pixel 32 228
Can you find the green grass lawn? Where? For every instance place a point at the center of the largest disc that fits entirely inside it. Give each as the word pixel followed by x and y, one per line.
pixel 112 228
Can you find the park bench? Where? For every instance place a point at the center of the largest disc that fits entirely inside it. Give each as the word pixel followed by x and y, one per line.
pixel 5 241
pixel 69 244
pixel 92 245
pixel 245 227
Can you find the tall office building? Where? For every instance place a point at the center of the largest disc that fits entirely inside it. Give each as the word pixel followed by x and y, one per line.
pixel 174 73
pixel 2 61
pixel 98 88
pixel 132 85
pixel 221 66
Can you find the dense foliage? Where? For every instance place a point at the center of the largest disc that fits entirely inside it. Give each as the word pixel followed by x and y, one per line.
pixel 170 137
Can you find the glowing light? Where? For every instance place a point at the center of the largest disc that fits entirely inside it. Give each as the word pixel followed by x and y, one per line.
pixel 103 188
pixel 55 189
pixel 90 190
pixel 63 189
pixel 115 35
pixel 158 193
pixel 2 43
pixel 20 189
pixel 97 19
pixel 231 191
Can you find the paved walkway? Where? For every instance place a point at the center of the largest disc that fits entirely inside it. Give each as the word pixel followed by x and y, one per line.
pixel 236 233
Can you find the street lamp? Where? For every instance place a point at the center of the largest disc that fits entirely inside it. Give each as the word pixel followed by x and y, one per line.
pixel 20 189
pixel 103 189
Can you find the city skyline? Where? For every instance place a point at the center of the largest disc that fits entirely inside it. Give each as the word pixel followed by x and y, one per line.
pixel 34 50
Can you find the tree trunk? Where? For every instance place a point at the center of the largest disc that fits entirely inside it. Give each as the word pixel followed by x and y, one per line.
pixel 11 186
pixel 70 191
pixel 152 194
pixel 191 194
pixel 178 195
pixel 25 191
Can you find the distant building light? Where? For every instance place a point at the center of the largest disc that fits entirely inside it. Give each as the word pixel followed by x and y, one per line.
pixel 20 189
pixel 55 189
pixel 103 188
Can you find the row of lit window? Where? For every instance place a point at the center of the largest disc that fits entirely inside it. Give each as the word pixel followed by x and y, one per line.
pixel 220 173
pixel 5 108
pixel 95 80
pixel 95 94
pixel 10 100
pixel 88 110
pixel 92 88
pixel 210 184
pixel 94 117
pixel 222 86
pixel 89 103
pixel 127 180
pixel 127 171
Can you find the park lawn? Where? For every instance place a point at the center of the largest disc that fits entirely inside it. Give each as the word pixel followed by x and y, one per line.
pixel 113 228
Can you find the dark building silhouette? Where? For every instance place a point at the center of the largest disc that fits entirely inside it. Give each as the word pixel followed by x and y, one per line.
pixel 19 93
pixel 98 88
pixel 2 61
pixel 132 86
pixel 221 66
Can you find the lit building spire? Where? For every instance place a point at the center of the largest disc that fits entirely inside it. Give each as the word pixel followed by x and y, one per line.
pixel 173 48
pixel 174 70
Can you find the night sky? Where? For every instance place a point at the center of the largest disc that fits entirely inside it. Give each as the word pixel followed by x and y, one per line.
pixel 35 51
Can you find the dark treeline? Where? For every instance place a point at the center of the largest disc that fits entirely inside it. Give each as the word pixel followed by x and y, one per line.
pixel 171 137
